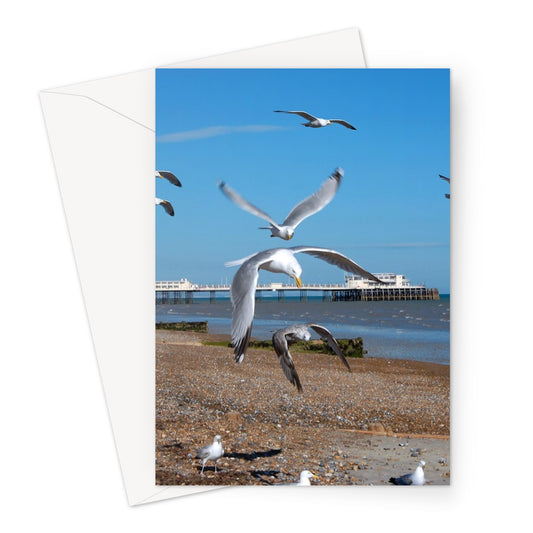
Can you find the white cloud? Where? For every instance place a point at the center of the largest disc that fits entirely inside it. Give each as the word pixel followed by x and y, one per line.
pixel 214 131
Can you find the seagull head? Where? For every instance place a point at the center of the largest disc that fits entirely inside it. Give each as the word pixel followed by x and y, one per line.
pixel 218 438
pixel 285 232
pixel 307 475
pixel 283 261
pixel 422 463
pixel 294 270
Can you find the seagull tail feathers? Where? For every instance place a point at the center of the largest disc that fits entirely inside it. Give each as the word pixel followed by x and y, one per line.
pixel 238 261
pixel 234 263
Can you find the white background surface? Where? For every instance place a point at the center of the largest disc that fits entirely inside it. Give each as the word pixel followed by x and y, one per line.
pixel 59 468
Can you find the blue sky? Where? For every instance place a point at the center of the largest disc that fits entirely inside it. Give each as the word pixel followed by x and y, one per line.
pixel 390 213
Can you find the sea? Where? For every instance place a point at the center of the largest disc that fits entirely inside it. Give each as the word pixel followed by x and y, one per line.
pixel 416 330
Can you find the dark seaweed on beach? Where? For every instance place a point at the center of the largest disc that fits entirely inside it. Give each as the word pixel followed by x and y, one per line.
pixel 349 347
pixel 199 327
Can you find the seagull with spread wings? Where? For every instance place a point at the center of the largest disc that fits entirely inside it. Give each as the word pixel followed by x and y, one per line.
pixel 167 206
pixel 300 212
pixel 281 261
pixel 164 174
pixel 315 122
pixel 282 337
pixel 445 179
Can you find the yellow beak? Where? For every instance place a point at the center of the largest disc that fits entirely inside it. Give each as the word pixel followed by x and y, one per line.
pixel 298 281
pixel 290 237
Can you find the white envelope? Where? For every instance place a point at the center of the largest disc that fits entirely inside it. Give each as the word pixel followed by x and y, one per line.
pixel 102 137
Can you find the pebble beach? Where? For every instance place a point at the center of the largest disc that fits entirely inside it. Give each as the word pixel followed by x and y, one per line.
pixel 348 428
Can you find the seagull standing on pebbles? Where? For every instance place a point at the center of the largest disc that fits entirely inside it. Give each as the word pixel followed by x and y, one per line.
pixel 282 337
pixel 300 212
pixel 315 122
pixel 305 476
pixel 415 478
pixel 281 261
pixel 213 452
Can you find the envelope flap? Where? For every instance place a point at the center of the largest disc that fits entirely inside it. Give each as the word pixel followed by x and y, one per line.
pixel 116 94
pixel 315 52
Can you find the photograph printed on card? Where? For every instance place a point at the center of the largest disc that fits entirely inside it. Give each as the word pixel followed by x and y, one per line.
pixel 302 284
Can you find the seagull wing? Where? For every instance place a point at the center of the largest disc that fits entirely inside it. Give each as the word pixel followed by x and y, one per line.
pixel 167 206
pixel 303 114
pixel 244 204
pixel 337 259
pixel 282 349
pixel 342 122
pixel 333 344
pixel 242 294
pixel 406 479
pixel 444 178
pixel 316 201
pixel 204 453
pixel 168 176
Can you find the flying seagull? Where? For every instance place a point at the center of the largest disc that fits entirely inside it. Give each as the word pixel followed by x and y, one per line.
pixel 281 261
pixel 282 337
pixel 164 174
pixel 445 179
pixel 304 209
pixel 415 478
pixel 167 206
pixel 213 452
pixel 305 476
pixel 315 122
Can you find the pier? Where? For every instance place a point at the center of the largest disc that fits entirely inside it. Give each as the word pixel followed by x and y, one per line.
pixel 385 294
pixel 184 292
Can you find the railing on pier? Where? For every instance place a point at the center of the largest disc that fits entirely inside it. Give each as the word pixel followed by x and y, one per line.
pixel 330 292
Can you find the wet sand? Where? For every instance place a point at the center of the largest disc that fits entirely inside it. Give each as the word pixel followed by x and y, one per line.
pixel 360 427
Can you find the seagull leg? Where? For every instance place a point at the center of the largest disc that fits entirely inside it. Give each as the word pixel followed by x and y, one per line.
pixel 203 464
